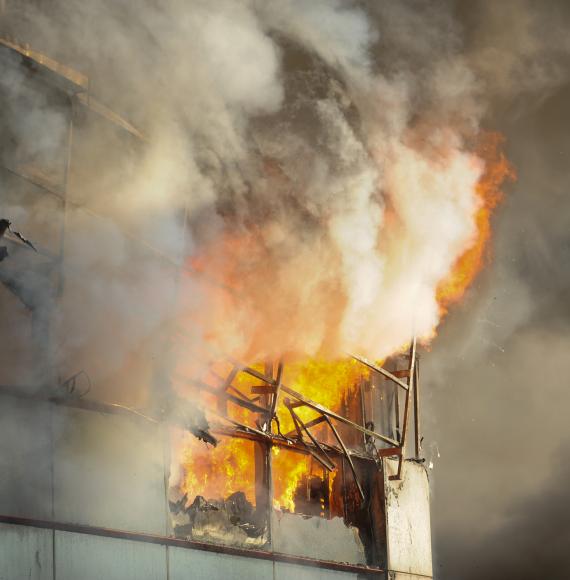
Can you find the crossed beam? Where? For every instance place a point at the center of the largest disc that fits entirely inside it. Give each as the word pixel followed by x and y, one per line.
pixel 273 387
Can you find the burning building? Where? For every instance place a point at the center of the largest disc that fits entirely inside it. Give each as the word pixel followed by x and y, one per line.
pixel 287 467
pixel 184 390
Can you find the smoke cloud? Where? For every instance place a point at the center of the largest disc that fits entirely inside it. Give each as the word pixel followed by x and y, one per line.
pixel 325 155
pixel 495 397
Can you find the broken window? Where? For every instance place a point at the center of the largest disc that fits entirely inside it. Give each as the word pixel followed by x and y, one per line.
pixel 214 492
pixel 284 456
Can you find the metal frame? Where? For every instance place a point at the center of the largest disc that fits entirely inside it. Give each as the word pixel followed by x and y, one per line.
pixel 269 396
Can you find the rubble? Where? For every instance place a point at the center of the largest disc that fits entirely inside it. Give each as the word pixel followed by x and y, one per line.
pixel 233 520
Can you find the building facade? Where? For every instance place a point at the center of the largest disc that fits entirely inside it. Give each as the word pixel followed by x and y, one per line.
pixel 86 477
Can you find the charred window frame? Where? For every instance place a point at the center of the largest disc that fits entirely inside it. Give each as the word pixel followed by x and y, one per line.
pixel 341 449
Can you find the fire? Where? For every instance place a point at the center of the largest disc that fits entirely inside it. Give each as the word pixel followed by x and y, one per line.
pixel 288 469
pixel 218 472
pixel 320 380
pixel 327 382
pixel 469 264
pixel 257 307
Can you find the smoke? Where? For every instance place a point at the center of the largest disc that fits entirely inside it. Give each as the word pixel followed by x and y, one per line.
pixel 324 153
pixel 493 381
pixel 537 528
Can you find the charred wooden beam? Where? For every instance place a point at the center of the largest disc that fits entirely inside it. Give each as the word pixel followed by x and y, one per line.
pixel 230 378
pixel 380 370
pixel 397 412
pixel 417 430
pixel 246 428
pixel 309 424
pixel 297 422
pixel 297 404
pixel 200 385
pixel 348 457
pixel 239 394
pixel 407 409
pixel 389 452
pixel 327 462
pixel 322 409
pixel 263 390
pixel 275 399
pixel 327 412
pixel 258 375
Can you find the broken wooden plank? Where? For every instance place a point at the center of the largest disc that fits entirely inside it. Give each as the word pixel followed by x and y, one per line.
pixel 263 390
pixel 200 385
pixel 348 457
pixel 330 466
pixel 407 409
pixel 310 424
pixel 322 409
pixel 380 370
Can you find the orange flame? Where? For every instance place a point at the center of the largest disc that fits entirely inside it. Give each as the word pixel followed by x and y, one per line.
pixel 497 170
pixel 216 473
pixel 243 266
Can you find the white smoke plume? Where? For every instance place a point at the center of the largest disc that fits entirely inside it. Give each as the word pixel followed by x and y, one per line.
pixel 323 152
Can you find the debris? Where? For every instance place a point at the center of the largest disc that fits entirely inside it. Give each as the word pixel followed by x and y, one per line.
pixel 235 519
pixel 191 418
pixel 200 503
pixel 179 504
pixel 23 239
pixel 5 227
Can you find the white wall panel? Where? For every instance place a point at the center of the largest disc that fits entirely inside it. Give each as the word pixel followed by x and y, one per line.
pixel 25 458
pixel 84 557
pixel 316 538
pixel 25 553
pixel 198 565
pixel 109 472
pixel 285 571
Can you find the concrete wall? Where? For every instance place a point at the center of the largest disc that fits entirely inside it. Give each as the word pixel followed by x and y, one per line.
pixel 25 553
pixel 25 458
pixel 408 530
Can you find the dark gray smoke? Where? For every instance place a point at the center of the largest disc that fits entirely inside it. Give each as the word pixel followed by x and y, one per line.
pixel 497 378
